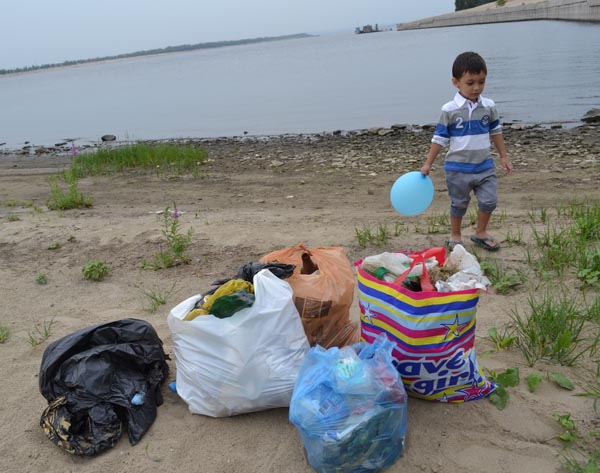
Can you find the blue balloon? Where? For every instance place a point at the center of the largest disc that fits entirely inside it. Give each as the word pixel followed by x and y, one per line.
pixel 412 193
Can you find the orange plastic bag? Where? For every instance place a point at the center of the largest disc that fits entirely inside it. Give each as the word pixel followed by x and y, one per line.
pixel 323 298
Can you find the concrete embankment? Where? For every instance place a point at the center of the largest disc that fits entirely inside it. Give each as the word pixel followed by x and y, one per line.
pixel 570 10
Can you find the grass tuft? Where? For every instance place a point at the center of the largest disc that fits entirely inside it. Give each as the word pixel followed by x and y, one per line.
pixel 156 298
pixel 40 333
pixel 553 329
pixel 96 270
pixel 162 158
pixel 72 199
pixel 41 278
pixel 4 334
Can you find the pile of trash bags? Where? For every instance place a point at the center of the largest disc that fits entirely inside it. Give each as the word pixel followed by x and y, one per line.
pixel 278 334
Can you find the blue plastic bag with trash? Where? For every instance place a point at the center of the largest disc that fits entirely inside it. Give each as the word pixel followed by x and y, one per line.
pixel 350 408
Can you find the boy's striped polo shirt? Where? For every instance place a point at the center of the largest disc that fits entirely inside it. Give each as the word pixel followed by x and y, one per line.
pixel 467 126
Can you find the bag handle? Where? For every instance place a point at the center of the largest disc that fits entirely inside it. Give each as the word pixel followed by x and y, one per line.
pixel 426 285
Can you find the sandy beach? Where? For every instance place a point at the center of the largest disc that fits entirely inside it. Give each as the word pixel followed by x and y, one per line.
pixel 252 196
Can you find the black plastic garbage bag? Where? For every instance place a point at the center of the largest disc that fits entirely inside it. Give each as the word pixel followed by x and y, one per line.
pixel 99 381
pixel 249 270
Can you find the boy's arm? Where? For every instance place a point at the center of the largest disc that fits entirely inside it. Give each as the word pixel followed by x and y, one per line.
pixel 498 141
pixel 434 150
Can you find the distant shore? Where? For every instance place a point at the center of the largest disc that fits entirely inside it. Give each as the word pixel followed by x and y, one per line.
pixel 152 52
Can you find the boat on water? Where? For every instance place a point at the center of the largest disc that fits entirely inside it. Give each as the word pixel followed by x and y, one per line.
pixel 367 29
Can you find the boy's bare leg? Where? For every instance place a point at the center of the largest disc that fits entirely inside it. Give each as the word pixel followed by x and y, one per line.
pixel 483 218
pixel 455 228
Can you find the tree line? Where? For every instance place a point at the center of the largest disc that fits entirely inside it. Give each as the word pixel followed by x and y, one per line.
pixel 464 4
pixel 168 49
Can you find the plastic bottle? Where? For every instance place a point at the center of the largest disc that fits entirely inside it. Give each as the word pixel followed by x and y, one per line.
pixel 383 274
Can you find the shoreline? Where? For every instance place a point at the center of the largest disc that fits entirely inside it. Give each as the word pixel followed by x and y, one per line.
pixel 65 146
pixel 376 150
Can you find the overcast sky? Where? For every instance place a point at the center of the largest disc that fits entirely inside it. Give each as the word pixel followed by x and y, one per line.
pixel 34 32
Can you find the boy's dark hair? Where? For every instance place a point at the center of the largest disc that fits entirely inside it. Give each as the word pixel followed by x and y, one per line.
pixel 468 62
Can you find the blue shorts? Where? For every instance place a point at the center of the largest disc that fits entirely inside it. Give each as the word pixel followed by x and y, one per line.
pixel 484 185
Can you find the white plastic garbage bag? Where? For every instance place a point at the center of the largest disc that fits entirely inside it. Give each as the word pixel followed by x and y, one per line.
pixel 247 362
pixel 468 273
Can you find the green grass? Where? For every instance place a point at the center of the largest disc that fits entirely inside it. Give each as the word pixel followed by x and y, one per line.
pixel 569 244
pixel 438 224
pixel 592 312
pixel 96 270
pixel 400 227
pixel 557 249
pixel 554 329
pixel 364 236
pixel 587 219
pixel 177 242
pixel 41 278
pixel 71 199
pixel 4 334
pixel 383 234
pixel 588 267
pixel 502 281
pixel 156 298
pixel 502 340
pixel 12 217
pixel 40 333
pixel 165 158
pixel 514 238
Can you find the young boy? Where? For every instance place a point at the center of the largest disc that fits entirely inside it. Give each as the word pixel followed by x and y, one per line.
pixel 468 123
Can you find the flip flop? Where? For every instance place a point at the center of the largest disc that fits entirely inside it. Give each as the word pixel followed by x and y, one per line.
pixel 483 243
pixel 452 243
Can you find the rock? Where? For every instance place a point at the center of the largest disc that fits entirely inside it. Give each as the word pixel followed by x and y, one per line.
pixel 592 116
pixel 398 127
pixel 108 138
pixel 428 127
pixel 373 131
pixel 385 131
pixel 275 163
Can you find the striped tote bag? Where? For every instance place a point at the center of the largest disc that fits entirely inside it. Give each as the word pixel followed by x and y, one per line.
pixel 433 333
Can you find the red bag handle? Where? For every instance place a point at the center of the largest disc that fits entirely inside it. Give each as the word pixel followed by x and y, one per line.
pixel 438 252
pixel 425 281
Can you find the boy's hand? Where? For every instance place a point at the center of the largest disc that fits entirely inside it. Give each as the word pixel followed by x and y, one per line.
pixel 425 170
pixel 507 166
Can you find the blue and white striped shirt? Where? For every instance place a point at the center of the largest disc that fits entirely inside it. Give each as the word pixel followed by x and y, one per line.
pixel 467 126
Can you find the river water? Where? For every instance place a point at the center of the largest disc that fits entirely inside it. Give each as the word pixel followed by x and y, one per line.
pixel 538 72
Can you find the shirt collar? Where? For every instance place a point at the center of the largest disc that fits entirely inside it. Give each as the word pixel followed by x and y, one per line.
pixel 460 100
